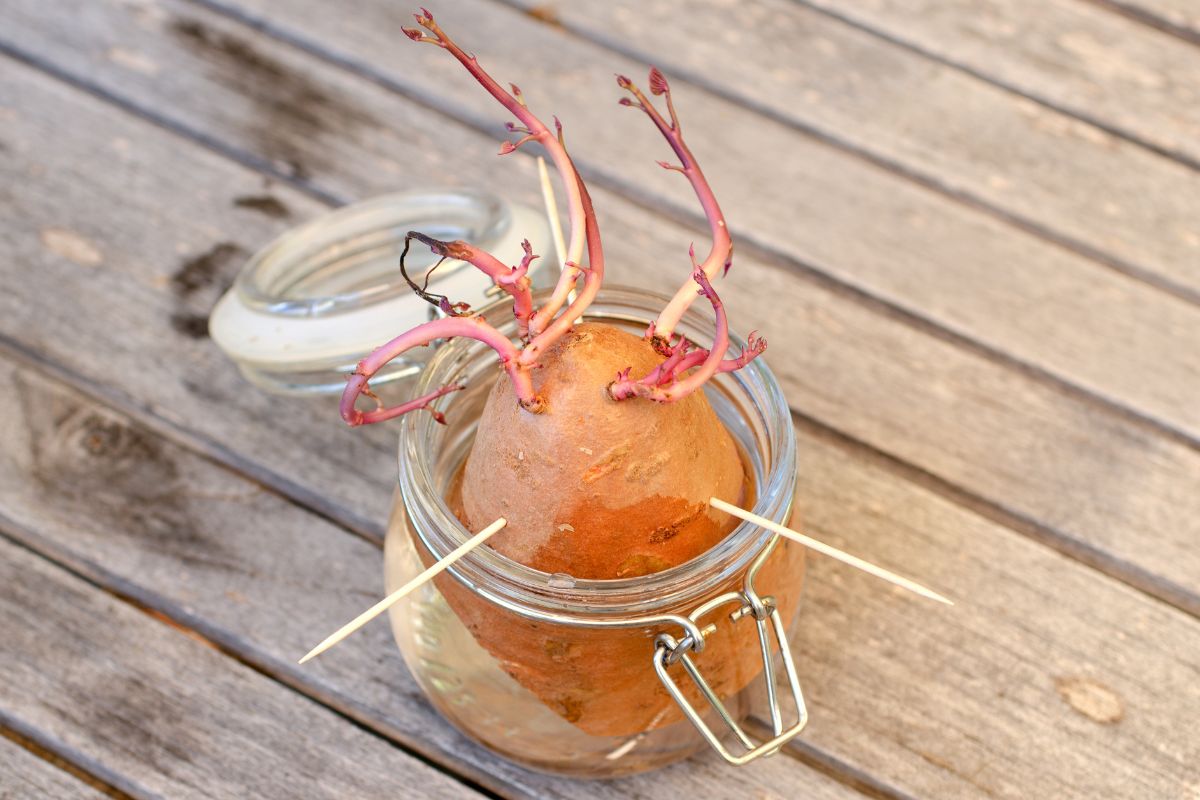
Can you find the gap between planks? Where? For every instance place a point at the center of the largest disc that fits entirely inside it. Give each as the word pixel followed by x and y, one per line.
pixel 211 143
pixel 281 670
pixel 371 531
pixel 1164 591
pixel 58 757
pixel 1138 13
pixel 365 528
pixel 912 174
pixel 841 771
pixel 921 50
pixel 747 243
pixel 187 624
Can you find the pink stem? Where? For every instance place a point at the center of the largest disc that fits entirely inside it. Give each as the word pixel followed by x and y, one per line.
pixel 623 388
pixel 537 131
pixel 380 414
pixel 593 277
pixel 719 257
pixel 446 328
pixel 665 371
pixel 513 280
pixel 668 372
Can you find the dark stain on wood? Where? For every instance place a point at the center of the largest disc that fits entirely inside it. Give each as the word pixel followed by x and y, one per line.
pixel 197 285
pixel 193 326
pixel 200 272
pixel 295 112
pixel 265 204
pixel 205 390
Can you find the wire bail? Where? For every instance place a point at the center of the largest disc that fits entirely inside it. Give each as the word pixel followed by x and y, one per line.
pixel 668 651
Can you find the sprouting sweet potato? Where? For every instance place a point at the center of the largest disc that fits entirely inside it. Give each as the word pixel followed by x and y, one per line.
pixel 685 368
pixel 598 447
pixel 595 488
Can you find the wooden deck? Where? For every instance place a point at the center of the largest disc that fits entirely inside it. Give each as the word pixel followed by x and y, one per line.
pixel 970 231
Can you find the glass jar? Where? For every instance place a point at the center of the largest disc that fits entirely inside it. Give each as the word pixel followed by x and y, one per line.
pixel 485 631
pixel 308 305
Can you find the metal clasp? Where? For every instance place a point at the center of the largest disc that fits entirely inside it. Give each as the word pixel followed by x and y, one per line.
pixel 669 651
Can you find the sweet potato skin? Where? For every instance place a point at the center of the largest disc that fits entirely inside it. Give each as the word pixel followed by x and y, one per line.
pixel 603 681
pixel 596 488
pixel 601 489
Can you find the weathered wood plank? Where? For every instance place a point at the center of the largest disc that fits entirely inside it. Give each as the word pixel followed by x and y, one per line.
pixel 1031 668
pixel 1178 17
pixel 1080 692
pixel 945 264
pixel 1085 480
pixel 282 419
pixel 264 579
pixel 1030 642
pixel 173 715
pixel 24 776
pixel 969 761
pixel 168 263
pixel 948 264
pixel 1086 60
pixel 1055 175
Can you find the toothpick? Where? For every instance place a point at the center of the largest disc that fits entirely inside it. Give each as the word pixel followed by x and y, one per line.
pixel 399 594
pixel 556 231
pixel 832 552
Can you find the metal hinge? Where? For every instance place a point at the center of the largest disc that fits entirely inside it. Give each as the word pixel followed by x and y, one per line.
pixel 669 651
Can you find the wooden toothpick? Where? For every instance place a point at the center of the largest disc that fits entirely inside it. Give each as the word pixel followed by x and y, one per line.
pixel 393 598
pixel 832 552
pixel 556 232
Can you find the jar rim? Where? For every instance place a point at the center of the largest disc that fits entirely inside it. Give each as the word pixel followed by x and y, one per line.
pixel 320 296
pixel 490 573
pixel 274 279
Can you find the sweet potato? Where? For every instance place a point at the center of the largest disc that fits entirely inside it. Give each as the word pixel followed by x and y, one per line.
pixel 595 488
pixel 598 447
pixel 600 489
pixel 603 681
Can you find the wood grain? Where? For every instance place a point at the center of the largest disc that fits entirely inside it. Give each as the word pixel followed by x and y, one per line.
pixel 24 775
pixel 1051 681
pixel 920 698
pixel 1027 654
pixel 963 272
pixel 265 580
pixel 1129 78
pixel 1178 17
pixel 1084 480
pixel 174 716
pixel 1053 174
